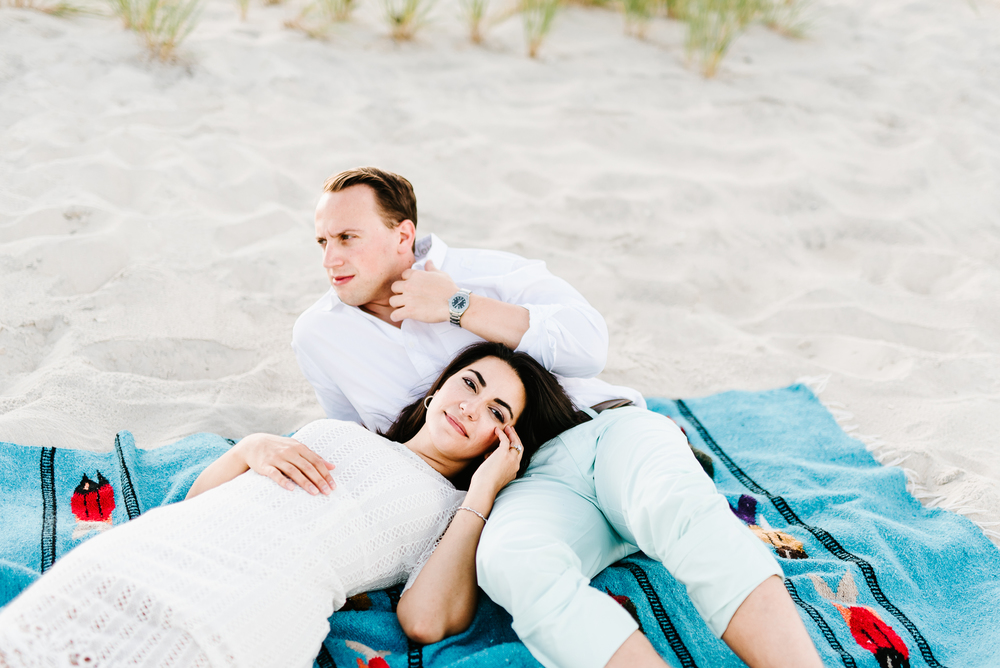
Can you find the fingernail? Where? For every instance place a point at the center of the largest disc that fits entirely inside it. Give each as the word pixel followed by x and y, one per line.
pixel 326 489
pixel 313 490
pixel 289 486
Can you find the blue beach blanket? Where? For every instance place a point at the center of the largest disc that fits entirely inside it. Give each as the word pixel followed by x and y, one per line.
pixel 879 580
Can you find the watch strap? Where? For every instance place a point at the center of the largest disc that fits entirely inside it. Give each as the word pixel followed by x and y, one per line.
pixel 455 316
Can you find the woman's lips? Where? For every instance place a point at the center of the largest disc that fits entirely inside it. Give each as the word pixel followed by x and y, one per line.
pixel 454 423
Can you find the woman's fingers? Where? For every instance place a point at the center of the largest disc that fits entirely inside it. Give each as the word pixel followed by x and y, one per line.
pixel 513 439
pixel 316 469
pixel 289 463
pixel 294 472
pixel 277 476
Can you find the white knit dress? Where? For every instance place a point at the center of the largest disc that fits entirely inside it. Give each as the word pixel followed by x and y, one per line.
pixel 245 574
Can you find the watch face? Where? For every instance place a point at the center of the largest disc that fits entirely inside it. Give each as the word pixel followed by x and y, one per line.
pixel 459 302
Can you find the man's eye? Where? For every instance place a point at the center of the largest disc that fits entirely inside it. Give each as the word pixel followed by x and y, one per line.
pixel 321 242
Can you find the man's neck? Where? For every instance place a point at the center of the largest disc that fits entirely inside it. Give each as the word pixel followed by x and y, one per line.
pixel 381 311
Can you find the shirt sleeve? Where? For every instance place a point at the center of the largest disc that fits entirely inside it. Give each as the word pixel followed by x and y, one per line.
pixel 565 333
pixel 331 398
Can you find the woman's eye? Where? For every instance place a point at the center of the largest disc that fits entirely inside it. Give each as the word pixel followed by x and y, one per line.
pixel 497 414
pixel 470 383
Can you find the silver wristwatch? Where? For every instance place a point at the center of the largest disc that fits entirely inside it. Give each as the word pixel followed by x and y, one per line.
pixel 457 305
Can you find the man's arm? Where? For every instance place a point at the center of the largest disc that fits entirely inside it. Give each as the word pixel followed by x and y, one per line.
pixel 538 313
pixel 423 295
pixel 331 398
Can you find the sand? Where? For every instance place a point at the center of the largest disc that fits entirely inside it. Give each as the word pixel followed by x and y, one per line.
pixel 826 209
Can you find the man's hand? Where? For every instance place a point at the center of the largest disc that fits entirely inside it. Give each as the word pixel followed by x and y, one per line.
pixel 287 462
pixel 422 295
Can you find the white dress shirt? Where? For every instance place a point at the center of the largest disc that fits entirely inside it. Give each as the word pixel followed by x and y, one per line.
pixel 366 370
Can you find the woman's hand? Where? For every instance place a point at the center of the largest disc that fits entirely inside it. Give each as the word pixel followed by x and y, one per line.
pixel 442 600
pixel 287 462
pixel 501 465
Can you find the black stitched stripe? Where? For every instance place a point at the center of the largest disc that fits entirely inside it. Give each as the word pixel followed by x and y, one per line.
pixel 415 655
pixel 128 491
pixel 824 628
pixel 414 650
pixel 323 659
pixel 46 470
pixel 394 592
pixel 667 626
pixel 828 541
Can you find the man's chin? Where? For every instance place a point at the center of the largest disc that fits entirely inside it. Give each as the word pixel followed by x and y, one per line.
pixel 350 297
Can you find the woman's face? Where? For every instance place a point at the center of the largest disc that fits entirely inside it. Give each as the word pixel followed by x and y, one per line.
pixel 468 408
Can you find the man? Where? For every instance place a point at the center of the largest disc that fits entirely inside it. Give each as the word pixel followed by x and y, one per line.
pixel 400 308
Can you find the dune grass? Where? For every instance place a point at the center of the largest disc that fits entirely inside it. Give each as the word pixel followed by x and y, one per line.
pixel 676 9
pixel 638 13
pixel 317 18
pixel 405 17
pixel 713 25
pixel 474 13
pixel 787 17
pixel 55 9
pixel 337 11
pixel 537 16
pixel 161 24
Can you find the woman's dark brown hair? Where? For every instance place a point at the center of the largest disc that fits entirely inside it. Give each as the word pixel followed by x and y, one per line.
pixel 548 411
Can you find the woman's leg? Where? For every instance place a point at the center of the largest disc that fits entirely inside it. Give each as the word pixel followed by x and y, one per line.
pixel 541 546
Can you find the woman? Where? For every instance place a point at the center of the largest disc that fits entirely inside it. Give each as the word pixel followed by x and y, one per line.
pixel 243 573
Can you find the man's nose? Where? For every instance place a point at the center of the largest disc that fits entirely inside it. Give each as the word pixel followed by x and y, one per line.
pixel 331 258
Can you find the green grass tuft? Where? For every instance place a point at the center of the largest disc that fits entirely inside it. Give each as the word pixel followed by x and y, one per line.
pixel 538 16
pixel 405 16
pixel 161 24
pixel 787 17
pixel 474 13
pixel 55 9
pixel 638 13
pixel 713 25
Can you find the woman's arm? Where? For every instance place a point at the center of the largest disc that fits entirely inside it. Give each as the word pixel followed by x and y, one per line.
pixel 442 600
pixel 284 460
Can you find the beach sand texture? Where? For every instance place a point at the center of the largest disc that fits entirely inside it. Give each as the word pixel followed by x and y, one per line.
pixel 825 208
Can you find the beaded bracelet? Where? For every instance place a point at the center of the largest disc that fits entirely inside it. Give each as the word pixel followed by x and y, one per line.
pixel 474 512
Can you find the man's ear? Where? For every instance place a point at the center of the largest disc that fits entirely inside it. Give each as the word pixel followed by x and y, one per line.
pixel 407 235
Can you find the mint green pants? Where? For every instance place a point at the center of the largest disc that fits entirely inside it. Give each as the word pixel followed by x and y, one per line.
pixel 623 482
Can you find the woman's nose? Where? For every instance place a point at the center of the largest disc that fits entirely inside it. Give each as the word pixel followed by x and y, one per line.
pixel 467 410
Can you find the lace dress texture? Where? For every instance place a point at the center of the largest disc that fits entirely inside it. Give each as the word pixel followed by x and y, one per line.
pixel 245 574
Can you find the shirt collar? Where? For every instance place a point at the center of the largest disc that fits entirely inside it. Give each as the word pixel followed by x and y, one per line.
pixel 429 248
pixel 426 248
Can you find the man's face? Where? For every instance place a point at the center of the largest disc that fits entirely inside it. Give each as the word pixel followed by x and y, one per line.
pixel 362 256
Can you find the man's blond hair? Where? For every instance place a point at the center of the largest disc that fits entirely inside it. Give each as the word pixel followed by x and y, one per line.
pixel 394 195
